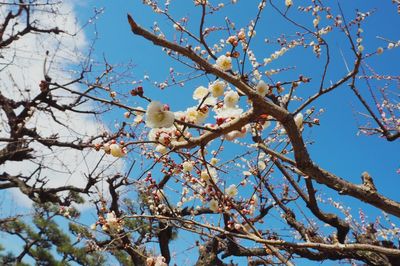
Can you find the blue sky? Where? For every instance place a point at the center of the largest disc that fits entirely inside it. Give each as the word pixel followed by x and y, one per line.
pixel 337 146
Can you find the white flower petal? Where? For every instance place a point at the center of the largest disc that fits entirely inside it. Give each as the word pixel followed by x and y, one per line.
pixel 224 62
pixel 157 117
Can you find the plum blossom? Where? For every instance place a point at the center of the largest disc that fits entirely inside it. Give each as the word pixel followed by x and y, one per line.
pixel 178 136
pixel 156 261
pixel 231 99
pixel 231 191
pixel 157 116
pixel 187 166
pixel 162 135
pixel 117 150
pixel 178 27
pixel 241 34
pixel 161 149
pixel 160 261
pixel 181 116
pixel 261 165
pixel 196 116
pixel 210 101
pixel 160 194
pixel 200 2
pixel 208 174
pixel 246 173
pixel 224 63
pixel 228 113
pixel 316 21
pixel 167 136
pixel 149 261
pixel 254 200
pixel 111 218
pixel 139 115
pixel 138 119
pixel 214 161
pixel 106 147
pixel 164 138
pixel 200 92
pixel 217 88
pixel 112 222
pixel 298 119
pixel 236 134
pixel 213 205
pixel 252 209
pixel 262 88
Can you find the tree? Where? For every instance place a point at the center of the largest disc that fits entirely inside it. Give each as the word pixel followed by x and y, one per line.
pixel 42 110
pixel 236 171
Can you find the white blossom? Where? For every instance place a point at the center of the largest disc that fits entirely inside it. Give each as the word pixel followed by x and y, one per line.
pixel 224 62
pixel 161 149
pixel 157 116
pixel 195 116
pixel 213 205
pixel 117 150
pixel 288 3
pixel 139 110
pixel 187 166
pixel 231 191
pixel 214 161
pixel 200 2
pixel 106 147
pixel 226 113
pixel 236 134
pixel 200 92
pixel 217 88
pixel 111 218
pixel 246 173
pixel 160 134
pixel 261 165
pixel 254 199
pixel 231 99
pixel 208 174
pixel 298 119
pixel 160 261
pixel 112 222
pixel 210 101
pixel 160 194
pixel 262 88
pixel 138 119
pixel 178 27
pixel 316 21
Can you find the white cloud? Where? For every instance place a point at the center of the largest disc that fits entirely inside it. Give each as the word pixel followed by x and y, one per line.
pixel 21 80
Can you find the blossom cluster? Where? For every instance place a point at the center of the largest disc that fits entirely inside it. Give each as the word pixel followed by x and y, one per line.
pixel 113 148
pixel 110 223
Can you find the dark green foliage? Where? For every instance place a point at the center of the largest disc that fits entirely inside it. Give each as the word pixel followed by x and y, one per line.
pixel 46 243
pixel 123 258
